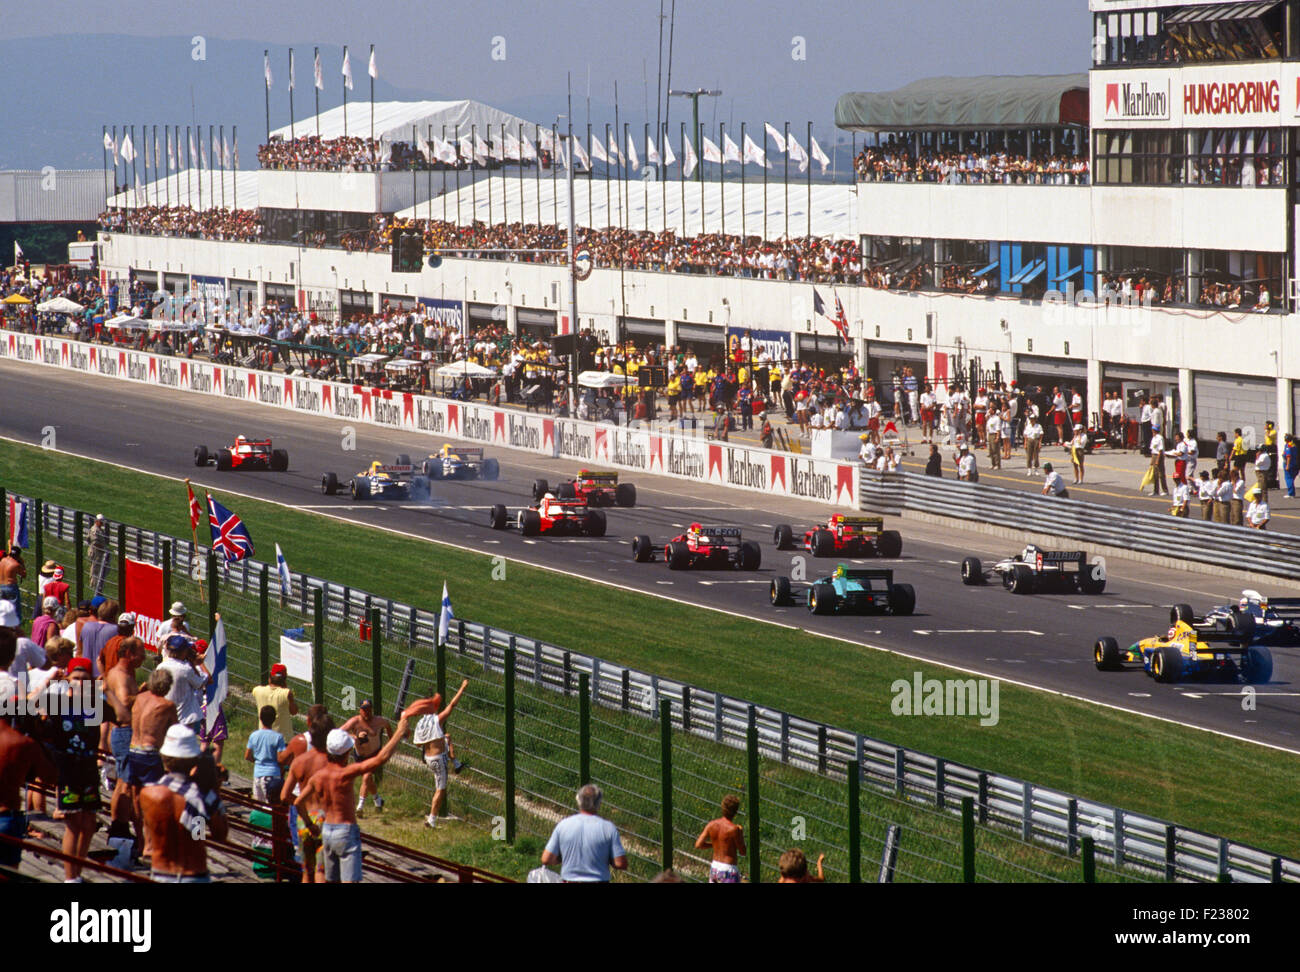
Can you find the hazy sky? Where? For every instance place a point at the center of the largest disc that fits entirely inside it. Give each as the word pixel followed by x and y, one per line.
pixel 744 48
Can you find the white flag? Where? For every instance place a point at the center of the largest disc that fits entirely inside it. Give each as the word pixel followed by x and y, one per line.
pixel 373 71
pixel 689 160
pixel 546 139
pixel 580 154
pixel 347 69
pixel 128 149
pixel 711 151
pixel 513 150
pixel 730 150
pixel 775 136
pixel 445 616
pixel 318 78
pixel 110 144
pixel 755 154
pixel 235 140
pixel 632 159
pixel 291 70
pixel 796 153
pixel 598 150
pixel 614 152
pixel 481 150
pixel 225 152
pixel 193 154
pixel 422 145
pixel 819 155
pixel 527 150
pixel 561 154
pixel 171 154
pixel 443 151
pixel 669 158
pixel 652 156
pixel 266 64
pixel 496 151
pixel 203 154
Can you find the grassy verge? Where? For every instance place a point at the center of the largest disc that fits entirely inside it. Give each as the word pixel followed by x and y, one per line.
pixel 1220 785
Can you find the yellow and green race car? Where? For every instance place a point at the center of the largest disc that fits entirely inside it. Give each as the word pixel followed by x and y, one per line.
pixel 1191 651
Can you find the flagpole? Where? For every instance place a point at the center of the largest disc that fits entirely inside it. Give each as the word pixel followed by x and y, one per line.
pixel 699 160
pixel 345 93
pixel 810 162
pixel 608 207
pixel 555 175
pixel 645 183
pixel 115 193
pixel 765 168
pixel 266 59
pixel 722 179
pixel 135 154
pixel 743 154
pixel 682 163
pixel 104 166
pixel 194 535
pixel 234 182
pixel 292 134
pixel 155 165
pixel 428 170
pixel 444 181
pixel 787 181
pixel 662 135
pixel 212 195
pixel 167 167
pixel 222 136
pixel 456 135
pixel 374 155
pixel 537 165
pixel 590 175
pixel 315 70
pixel 473 181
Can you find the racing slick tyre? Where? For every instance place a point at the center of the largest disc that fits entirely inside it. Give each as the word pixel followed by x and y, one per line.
pixel 1183 613
pixel 678 555
pixel 530 523
pixel 1105 653
pixel 823 543
pixel 491 469
pixel 1021 579
pixel 1243 625
pixel 1167 664
pixel 224 462
pixel 593 523
pixel 783 537
pixel 497 517
pixel 432 468
pixel 279 460
pixel 1088 584
pixel 403 459
pixel 821 599
pixel 902 599
pixel 360 489
pixel 329 484
pixel 540 488
pixel 625 494
pixel 750 555
pixel 642 549
pixel 890 544
pixel 971 571
pixel 565 491
pixel 1259 664
pixel 779 593
pixel 200 455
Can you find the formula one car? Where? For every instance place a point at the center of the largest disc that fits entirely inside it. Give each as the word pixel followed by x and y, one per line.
pixel 378 481
pixel 701 546
pixel 551 515
pixel 1277 619
pixel 1192 651
pixel 844 535
pixel 1034 571
pixel 246 453
pixel 850 590
pixel 597 488
pixel 456 462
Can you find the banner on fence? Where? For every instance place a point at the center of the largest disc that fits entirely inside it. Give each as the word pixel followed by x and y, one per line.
pixel 143 595
pixel 295 656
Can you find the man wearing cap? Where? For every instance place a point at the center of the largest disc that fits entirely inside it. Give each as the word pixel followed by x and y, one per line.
pixel 54 586
pixel 97 551
pixel 368 729
pixel 176 623
pixel 332 785
pixel 188 679
pixel 12 571
pixel 125 629
pixel 277 694
pixel 966 465
pixel 181 811
pixel 46 624
pixel 22 759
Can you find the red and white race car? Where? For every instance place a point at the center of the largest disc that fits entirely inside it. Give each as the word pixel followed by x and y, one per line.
pixel 594 488
pixel 246 453
pixel 844 535
pixel 700 546
pixel 554 516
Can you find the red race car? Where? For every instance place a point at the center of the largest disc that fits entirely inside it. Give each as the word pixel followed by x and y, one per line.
pixel 554 516
pixel 246 453
pixel 844 535
pixel 595 488
pixel 701 546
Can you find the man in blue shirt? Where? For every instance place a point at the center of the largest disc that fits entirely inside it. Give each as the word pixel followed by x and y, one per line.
pixel 585 844
pixel 264 746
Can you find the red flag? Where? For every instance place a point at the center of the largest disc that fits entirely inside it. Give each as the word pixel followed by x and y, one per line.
pixel 841 321
pixel 196 513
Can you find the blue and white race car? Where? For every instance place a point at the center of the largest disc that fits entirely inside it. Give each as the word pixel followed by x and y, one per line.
pixel 457 462
pixel 399 481
pixel 1277 619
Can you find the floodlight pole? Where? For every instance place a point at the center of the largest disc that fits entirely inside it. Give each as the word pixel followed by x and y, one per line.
pixel 695 118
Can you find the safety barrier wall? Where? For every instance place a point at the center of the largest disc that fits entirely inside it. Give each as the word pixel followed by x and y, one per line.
pixel 657 449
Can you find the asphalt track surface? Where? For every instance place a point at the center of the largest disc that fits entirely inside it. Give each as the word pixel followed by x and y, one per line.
pixel 1042 640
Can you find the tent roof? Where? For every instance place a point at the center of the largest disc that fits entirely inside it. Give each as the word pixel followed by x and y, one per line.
pixel 190 187
pixel 394 119
pixel 1024 101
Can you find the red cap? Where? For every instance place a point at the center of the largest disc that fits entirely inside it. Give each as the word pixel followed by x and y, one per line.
pixel 278 669
pixel 80 664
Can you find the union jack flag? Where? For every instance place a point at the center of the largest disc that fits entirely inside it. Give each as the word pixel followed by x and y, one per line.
pixel 841 321
pixel 229 535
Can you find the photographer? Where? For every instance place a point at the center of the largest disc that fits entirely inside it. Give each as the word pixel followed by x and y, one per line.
pixel 181 661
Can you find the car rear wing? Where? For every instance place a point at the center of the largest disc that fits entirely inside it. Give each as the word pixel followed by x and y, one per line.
pixel 469 455
pixel 1286 608
pixel 1061 558
pixel 598 475
pixel 871 522
pixel 722 535
pixel 870 573
pixel 395 470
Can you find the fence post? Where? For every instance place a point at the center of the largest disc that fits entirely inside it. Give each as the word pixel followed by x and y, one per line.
pixel 79 558
pixel 900 770
pixel 686 708
pixel 984 797
pixel 751 747
pixel 376 663
pixel 821 749
pixel 1071 826
pixel 1275 871
pixel 666 775
pixel 968 840
pixel 212 591
pixel 1089 860
pixel 584 728
pixel 627 688
pixel 855 821
pixel 121 562
pixel 940 773
pixel 487 647
pixel 1171 860
pixel 510 746
pixel 263 626
pixel 440 667
pixel 568 670
pixel 38 541
pixel 889 855
pixel 167 573
pixel 318 645
pixel 4 521
pixel 1027 812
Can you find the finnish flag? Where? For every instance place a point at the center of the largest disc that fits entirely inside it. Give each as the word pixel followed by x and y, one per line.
pixel 282 569
pixel 445 616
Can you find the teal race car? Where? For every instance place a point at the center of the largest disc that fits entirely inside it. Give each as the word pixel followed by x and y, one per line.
pixel 850 590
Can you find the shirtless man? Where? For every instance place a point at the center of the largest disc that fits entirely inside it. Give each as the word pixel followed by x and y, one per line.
pixel 368 730
pixel 430 733
pixel 20 756
pixel 181 810
pixel 120 691
pixel 12 571
pixel 306 763
pixel 152 714
pixel 332 785
pixel 727 839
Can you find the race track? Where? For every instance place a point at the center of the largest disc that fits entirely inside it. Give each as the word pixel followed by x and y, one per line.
pixel 1043 640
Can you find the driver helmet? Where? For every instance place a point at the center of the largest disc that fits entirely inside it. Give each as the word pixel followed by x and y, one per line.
pixel 549 496
pixel 696 528
pixel 1029 552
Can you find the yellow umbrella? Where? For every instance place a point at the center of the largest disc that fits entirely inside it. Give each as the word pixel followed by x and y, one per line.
pixel 16 299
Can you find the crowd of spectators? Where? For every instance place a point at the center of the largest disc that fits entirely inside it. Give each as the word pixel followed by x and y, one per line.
pixel 241 225
pixel 895 163
pixel 349 153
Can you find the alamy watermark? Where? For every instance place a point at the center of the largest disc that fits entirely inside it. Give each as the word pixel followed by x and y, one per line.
pixel 75 698
pixel 956 697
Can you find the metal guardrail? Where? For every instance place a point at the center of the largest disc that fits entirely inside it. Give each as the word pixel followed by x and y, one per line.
pixel 1049 817
pixel 1220 544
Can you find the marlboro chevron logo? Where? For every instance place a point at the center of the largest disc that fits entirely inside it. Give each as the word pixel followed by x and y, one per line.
pixel 1137 101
